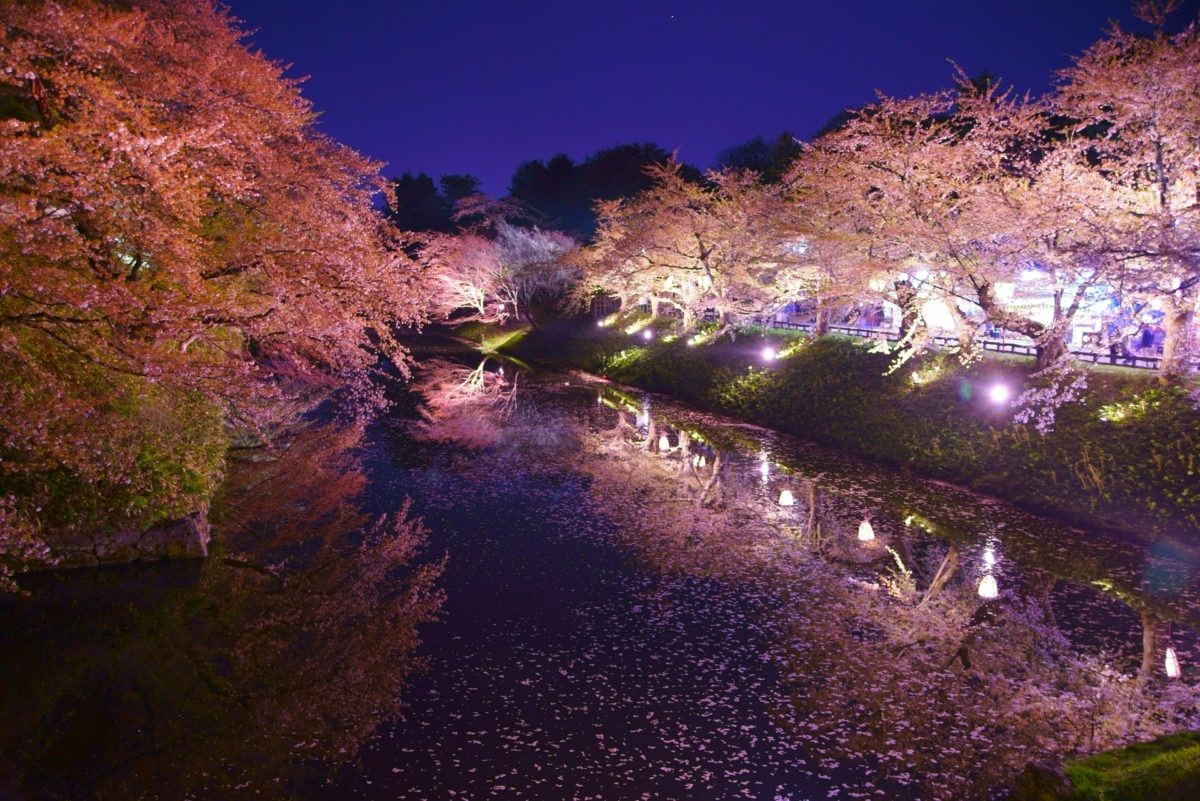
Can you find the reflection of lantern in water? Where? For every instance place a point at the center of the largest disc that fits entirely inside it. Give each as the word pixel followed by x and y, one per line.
pixel 1173 671
pixel 664 444
pixel 865 532
pixel 989 556
pixel 988 588
pixel 786 498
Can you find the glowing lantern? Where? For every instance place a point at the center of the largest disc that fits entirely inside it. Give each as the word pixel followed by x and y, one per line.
pixel 699 461
pixel 988 588
pixel 648 334
pixel 786 498
pixel 664 444
pixel 769 354
pixel 865 532
pixel 1173 671
pixel 999 394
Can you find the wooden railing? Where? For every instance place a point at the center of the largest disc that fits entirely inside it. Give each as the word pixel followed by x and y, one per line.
pixel 995 345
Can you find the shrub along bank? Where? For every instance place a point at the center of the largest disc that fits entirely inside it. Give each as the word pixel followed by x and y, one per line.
pixel 1125 457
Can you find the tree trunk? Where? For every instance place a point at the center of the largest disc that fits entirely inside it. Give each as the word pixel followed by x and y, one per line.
pixel 1045 588
pixel 945 572
pixel 814 515
pixel 1149 646
pixel 1050 350
pixel 821 326
pixel 965 329
pixel 906 299
pixel 1177 325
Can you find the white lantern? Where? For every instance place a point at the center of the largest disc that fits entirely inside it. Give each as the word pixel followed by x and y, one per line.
pixel 648 334
pixel 1173 671
pixel 865 532
pixel 786 498
pixel 988 588
pixel 701 461
pixel 769 354
pixel 664 444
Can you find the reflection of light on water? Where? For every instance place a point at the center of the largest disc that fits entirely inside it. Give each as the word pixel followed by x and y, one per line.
pixel 1172 664
pixel 989 556
pixel 764 465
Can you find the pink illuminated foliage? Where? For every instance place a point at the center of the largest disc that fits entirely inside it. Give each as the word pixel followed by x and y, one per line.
pixel 175 234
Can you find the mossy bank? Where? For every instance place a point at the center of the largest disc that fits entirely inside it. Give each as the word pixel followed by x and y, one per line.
pixel 1124 457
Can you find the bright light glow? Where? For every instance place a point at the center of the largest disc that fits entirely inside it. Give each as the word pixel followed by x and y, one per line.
pixel 1173 671
pixel 664 444
pixel 599 399
pixel 786 498
pixel 988 588
pixel 937 314
pixel 637 325
pixel 989 556
pixel 648 334
pixel 865 532
pixel 999 393
pixel 916 377
pixel 769 354
pixel 764 466
pixel 500 369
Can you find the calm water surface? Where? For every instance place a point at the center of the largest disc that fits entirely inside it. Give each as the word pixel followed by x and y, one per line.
pixel 585 614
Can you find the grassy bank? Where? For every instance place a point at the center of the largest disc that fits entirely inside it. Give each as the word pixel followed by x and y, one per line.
pixel 1167 769
pixel 1125 457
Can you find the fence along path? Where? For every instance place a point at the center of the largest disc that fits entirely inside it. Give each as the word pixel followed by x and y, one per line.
pixel 996 345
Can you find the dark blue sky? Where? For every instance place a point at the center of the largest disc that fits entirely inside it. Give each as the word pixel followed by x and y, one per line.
pixel 456 86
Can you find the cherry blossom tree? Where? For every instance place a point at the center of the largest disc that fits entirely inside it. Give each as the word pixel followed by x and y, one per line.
pixel 1135 101
pixel 726 244
pixel 172 227
pixel 495 269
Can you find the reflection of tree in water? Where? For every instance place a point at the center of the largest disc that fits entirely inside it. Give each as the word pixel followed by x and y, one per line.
pixel 483 407
pixel 258 669
pixel 888 658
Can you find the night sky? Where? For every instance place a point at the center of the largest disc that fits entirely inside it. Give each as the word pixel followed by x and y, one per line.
pixel 478 87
